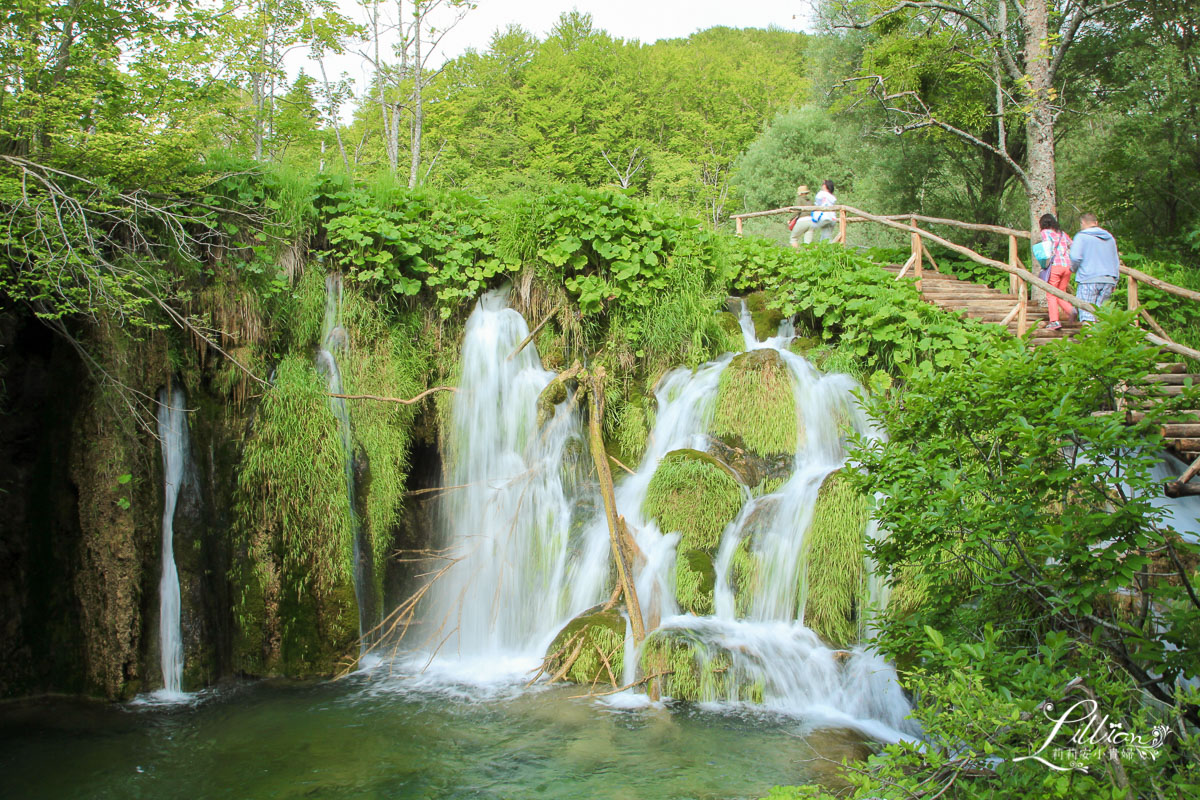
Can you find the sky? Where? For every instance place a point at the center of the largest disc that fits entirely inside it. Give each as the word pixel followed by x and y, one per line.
pixel 644 20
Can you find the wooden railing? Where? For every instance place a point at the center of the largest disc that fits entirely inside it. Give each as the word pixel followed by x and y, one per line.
pixel 1020 278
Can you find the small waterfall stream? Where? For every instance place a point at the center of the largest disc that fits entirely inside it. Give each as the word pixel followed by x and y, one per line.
pixel 528 546
pixel 173 433
pixel 333 341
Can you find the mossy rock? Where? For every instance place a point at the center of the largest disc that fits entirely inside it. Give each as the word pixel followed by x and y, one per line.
pixel 729 325
pixel 751 469
pixel 803 345
pixel 755 406
pixel 693 494
pixel 766 320
pixel 554 393
pixel 602 631
pixel 694 670
pixel 695 581
pixel 833 580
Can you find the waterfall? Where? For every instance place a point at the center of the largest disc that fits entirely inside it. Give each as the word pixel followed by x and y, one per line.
pixel 173 432
pixel 514 571
pixel 333 341
pixel 527 543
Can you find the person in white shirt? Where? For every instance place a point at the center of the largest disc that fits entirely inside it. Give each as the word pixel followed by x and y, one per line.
pixel 817 223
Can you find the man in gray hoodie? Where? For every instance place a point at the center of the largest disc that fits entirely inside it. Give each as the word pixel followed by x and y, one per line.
pixel 1095 262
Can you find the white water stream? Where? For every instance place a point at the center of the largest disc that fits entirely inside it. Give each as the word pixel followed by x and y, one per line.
pixel 528 548
pixel 173 433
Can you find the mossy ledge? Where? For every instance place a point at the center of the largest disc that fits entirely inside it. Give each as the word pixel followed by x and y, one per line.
pixel 832 581
pixel 755 405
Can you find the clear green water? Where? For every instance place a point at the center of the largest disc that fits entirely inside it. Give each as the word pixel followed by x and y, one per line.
pixel 342 740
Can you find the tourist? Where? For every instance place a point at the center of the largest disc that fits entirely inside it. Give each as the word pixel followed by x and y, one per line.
pixel 1095 262
pixel 1058 267
pixel 820 223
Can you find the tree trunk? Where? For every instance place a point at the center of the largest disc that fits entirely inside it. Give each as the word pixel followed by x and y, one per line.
pixel 1039 126
pixel 418 106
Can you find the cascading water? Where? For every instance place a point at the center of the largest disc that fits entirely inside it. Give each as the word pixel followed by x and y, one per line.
pixel 173 433
pixel 333 341
pixel 514 571
pixel 517 568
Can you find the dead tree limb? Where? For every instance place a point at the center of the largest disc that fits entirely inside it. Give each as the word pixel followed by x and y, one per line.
pixel 534 332
pixel 399 400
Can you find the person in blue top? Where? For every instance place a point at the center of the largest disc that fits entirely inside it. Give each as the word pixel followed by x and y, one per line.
pixel 1095 262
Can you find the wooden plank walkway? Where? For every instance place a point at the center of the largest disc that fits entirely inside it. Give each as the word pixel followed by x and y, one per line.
pixel 994 306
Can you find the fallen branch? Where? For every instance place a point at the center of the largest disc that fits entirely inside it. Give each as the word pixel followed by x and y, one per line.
pixel 619 464
pixel 638 682
pixel 399 400
pixel 533 333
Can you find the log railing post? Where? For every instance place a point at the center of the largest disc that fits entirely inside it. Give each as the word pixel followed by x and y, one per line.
pixel 842 226
pixel 1133 293
pixel 1022 289
pixel 917 253
pixel 738 220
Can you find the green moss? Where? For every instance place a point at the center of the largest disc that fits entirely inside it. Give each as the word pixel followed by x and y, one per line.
pixel 755 405
pixel 692 669
pixel 729 325
pixel 832 582
pixel 745 571
pixel 803 345
pixel 694 494
pixel 766 320
pixel 695 579
pixel 634 422
pixel 767 486
pixel 602 632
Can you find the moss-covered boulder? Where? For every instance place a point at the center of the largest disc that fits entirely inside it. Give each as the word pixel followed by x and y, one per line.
pixel 755 406
pixel 696 496
pixel 833 580
pixel 596 640
pixel 690 668
pixel 766 320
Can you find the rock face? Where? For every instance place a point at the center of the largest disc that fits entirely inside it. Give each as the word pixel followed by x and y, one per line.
pixel 695 495
pixel 749 467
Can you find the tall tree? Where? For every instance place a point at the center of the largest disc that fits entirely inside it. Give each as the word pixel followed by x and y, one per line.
pixel 1021 47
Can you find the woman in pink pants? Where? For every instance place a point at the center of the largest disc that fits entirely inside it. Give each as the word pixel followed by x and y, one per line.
pixel 1059 245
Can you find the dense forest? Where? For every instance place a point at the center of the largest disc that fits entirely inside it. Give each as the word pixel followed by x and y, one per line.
pixel 196 205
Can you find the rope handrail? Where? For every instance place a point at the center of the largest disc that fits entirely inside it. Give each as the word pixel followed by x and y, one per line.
pixel 862 216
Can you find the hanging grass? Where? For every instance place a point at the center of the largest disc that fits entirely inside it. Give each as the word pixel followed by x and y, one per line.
pixel 695 670
pixel 833 579
pixel 744 577
pixel 390 358
pixel 695 495
pixel 292 521
pixel 755 405
pixel 695 580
